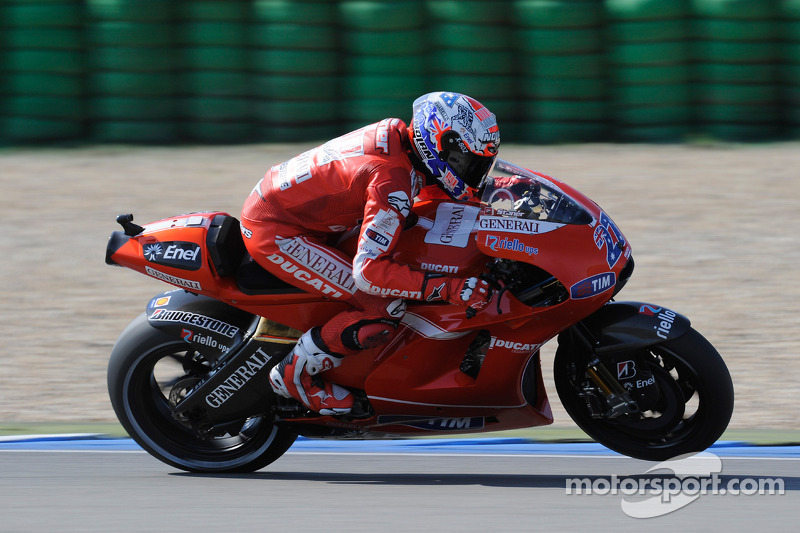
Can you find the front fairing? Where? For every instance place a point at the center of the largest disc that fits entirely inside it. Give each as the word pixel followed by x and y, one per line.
pixel 536 219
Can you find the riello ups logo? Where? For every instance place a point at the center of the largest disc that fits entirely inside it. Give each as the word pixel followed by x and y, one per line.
pixel 175 254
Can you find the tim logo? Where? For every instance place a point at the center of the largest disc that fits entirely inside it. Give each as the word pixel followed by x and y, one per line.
pixel 626 369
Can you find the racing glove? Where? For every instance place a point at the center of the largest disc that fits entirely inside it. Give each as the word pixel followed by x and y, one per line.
pixel 475 293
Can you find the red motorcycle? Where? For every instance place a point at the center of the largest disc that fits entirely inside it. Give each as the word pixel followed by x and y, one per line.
pixel 188 377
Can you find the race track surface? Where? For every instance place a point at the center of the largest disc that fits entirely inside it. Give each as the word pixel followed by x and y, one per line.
pixel 95 484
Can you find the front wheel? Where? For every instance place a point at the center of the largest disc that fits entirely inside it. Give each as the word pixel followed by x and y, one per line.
pixel 147 370
pixel 685 396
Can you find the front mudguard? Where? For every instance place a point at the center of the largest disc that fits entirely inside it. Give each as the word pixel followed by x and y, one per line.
pixel 211 327
pixel 624 326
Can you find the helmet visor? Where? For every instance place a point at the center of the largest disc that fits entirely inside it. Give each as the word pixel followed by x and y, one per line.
pixel 471 168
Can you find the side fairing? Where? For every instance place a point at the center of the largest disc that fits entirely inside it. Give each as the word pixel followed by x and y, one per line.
pixel 211 327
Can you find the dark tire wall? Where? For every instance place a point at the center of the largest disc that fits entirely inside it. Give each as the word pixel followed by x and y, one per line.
pixel 233 71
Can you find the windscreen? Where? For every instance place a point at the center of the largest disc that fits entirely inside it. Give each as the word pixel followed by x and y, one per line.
pixel 534 198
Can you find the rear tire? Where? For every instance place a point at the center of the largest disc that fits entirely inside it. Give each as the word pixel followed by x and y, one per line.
pixel 144 367
pixel 693 409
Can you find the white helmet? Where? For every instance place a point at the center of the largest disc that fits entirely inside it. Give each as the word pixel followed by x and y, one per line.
pixel 456 138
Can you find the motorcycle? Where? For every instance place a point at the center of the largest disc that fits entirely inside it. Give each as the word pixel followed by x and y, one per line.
pixel 188 378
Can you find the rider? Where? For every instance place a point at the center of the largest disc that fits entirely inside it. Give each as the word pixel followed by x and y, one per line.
pixel 369 176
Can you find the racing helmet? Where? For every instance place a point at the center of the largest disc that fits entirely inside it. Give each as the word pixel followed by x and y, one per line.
pixel 456 139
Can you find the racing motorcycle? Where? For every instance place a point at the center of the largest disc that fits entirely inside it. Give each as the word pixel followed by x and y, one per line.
pixel 188 378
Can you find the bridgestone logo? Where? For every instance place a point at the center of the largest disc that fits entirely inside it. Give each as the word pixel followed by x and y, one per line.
pixel 193 319
pixel 180 282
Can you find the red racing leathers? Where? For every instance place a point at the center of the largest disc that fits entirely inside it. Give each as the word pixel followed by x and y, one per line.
pixel 292 213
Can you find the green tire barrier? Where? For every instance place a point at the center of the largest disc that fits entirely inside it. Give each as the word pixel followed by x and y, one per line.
pixel 293 36
pixel 470 36
pixel 296 112
pixel 559 41
pixel 131 59
pixel 26 129
pixel 115 108
pixel 468 11
pixel 33 38
pixel 213 33
pixel 567 110
pixel 486 62
pixel 380 15
pixel 295 87
pixel 213 58
pixel 385 43
pixel 44 107
pixel 294 12
pixel 656 53
pixel 732 73
pixel 50 61
pixel 295 61
pixel 477 86
pixel 662 133
pixel 565 66
pixel 650 115
pixel 211 108
pixel 538 88
pixel 659 74
pixel 114 83
pixel 656 94
pixel 292 133
pixel 214 10
pixel 249 70
pixel 737 113
pixel 366 86
pixel 42 84
pixel 638 31
pixel 642 10
pixel 417 63
pixel 42 63
pixel 734 9
pixel 557 14
pixel 721 93
pixel 217 83
pixel 155 132
pixel 33 14
pixel 742 132
pixel 735 30
pixel 130 10
pixel 219 131
pixel 371 110
pixel 545 132
pixel 115 33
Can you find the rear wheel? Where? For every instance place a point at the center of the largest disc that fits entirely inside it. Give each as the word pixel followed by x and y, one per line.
pixel 686 410
pixel 148 370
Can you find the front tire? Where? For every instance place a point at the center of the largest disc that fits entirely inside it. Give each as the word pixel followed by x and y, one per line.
pixel 147 366
pixel 692 410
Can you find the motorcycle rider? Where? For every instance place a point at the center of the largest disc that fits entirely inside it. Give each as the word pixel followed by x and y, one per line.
pixel 369 176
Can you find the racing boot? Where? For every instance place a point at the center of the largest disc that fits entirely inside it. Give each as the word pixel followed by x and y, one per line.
pixel 296 377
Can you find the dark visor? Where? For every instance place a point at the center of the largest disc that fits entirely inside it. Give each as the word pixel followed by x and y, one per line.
pixel 469 167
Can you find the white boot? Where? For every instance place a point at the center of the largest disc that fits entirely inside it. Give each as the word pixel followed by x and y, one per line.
pixel 292 378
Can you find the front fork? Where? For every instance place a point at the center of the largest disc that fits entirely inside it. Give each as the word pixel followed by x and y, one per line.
pixel 618 399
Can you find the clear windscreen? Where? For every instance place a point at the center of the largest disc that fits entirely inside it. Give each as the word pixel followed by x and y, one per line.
pixel 532 197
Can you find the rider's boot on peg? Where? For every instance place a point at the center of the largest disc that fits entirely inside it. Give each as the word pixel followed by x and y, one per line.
pixel 297 377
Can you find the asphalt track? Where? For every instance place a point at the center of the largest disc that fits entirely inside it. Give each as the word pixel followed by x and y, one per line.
pixel 91 483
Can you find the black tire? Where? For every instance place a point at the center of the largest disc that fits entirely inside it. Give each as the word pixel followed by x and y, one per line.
pixel 693 409
pixel 138 398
